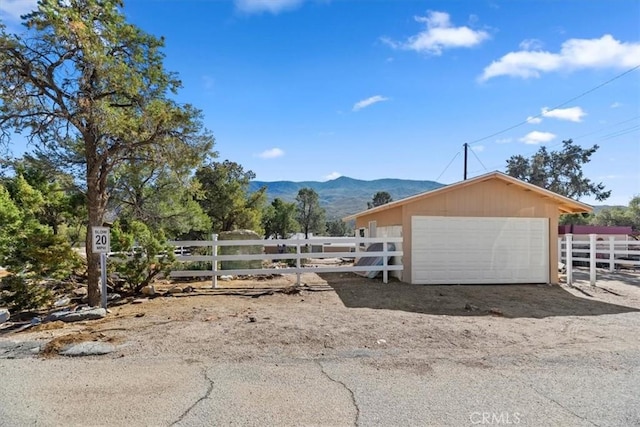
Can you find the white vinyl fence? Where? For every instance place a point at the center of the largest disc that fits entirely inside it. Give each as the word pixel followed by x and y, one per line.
pixel 303 250
pixel 598 252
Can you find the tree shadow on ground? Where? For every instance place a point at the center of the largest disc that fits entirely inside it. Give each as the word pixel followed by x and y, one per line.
pixel 511 301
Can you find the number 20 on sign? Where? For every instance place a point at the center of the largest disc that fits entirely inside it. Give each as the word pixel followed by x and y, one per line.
pixel 101 240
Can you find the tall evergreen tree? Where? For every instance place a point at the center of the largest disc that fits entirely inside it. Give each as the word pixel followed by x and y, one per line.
pixel 161 197
pixel 559 171
pixel 225 197
pixel 379 199
pixel 91 92
pixel 310 215
pixel 279 219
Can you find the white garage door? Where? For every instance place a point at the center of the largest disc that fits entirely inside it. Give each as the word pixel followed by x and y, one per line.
pixel 470 250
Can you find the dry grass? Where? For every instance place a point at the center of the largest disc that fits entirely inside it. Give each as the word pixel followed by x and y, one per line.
pixel 54 346
pixel 58 324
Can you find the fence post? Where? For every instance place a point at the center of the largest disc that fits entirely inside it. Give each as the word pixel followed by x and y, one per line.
pixel 569 251
pixel 298 263
pixel 592 258
pixel 385 272
pixel 214 261
pixel 612 254
pixel 560 249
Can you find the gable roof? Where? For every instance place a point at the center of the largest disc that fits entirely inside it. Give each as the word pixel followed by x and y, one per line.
pixel 565 204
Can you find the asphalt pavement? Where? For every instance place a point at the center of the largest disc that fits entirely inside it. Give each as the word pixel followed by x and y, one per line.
pixel 360 389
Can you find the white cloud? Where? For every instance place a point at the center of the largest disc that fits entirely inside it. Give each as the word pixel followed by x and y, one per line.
pixel 605 52
pixel 271 6
pixel 537 137
pixel 13 9
pixel 368 102
pixel 332 175
pixel 271 153
pixel 439 35
pixel 531 44
pixel 504 140
pixel 616 105
pixel 572 114
pixel 478 148
pixel 610 177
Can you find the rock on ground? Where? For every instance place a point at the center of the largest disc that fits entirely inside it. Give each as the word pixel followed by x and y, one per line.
pixel 88 314
pixel 76 316
pixel 88 348
pixel 4 315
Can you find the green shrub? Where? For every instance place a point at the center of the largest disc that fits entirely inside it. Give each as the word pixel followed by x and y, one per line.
pixel 24 293
pixel 141 254
pixel 41 253
pixel 195 266
pixel 33 255
pixel 240 250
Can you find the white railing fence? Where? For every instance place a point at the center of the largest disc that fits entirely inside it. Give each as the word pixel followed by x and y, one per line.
pixel 603 252
pixel 303 250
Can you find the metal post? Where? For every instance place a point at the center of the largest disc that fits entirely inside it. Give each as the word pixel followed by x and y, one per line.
pixel 103 278
pixel 214 261
pixel 569 251
pixel 466 148
pixel 592 259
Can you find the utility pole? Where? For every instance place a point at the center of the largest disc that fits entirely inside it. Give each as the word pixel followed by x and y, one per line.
pixel 466 148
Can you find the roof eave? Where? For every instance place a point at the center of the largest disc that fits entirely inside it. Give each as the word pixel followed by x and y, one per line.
pixel 565 204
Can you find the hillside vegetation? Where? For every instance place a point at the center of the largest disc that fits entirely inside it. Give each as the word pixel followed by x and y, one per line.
pixel 345 196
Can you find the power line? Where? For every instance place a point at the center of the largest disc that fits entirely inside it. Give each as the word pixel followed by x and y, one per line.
pixel 445 169
pixel 540 115
pixel 557 106
pixel 608 136
pixel 620 132
pixel 607 127
pixel 478 159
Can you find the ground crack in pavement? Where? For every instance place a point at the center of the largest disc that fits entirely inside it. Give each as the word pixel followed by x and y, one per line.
pixel 351 393
pixel 555 401
pixel 206 396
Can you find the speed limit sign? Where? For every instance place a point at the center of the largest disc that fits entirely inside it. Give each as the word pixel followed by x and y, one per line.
pixel 101 240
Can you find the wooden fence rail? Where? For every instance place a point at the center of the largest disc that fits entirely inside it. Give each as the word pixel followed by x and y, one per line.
pixel 604 252
pixel 303 251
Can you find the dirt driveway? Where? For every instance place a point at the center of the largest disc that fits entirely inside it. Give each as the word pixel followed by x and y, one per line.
pixel 337 312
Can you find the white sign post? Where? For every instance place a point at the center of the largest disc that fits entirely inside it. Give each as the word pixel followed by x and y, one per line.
pixel 101 240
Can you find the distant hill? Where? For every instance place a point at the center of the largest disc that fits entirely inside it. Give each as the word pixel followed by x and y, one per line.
pixel 598 208
pixel 345 196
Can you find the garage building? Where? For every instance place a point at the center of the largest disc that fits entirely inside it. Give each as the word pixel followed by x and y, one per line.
pixel 486 230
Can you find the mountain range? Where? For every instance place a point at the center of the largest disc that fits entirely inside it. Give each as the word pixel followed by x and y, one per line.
pixel 344 196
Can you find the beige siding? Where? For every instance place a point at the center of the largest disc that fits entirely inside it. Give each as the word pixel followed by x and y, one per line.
pixel 383 219
pixel 491 195
pixel 493 198
pixel 488 198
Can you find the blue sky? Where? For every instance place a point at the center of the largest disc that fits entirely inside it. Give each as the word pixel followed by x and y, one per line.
pixel 308 90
